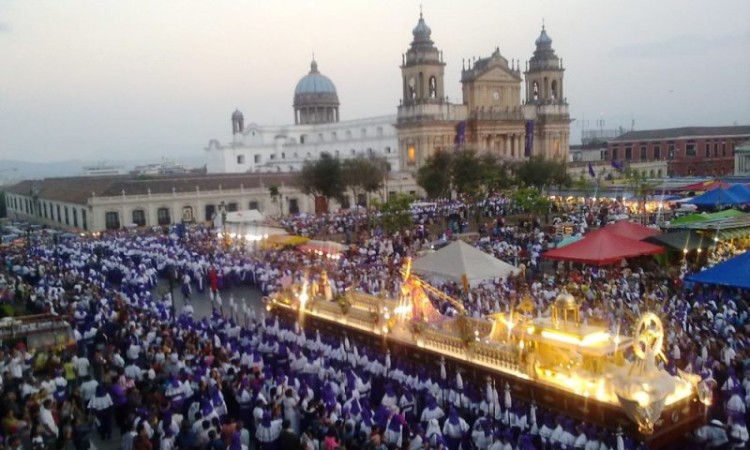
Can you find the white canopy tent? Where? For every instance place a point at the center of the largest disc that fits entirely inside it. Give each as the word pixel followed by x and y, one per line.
pixel 458 259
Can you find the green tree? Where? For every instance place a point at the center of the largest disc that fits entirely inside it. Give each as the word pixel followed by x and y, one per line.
pixel 322 178
pixel 641 187
pixel 531 200
pixel 395 214
pixel 361 175
pixel 435 175
pixel 541 173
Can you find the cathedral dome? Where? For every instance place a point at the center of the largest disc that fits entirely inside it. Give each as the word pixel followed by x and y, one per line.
pixel 543 38
pixel 315 83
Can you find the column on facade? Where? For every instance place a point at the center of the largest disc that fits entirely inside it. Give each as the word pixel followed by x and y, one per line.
pixel 522 144
pixel 506 146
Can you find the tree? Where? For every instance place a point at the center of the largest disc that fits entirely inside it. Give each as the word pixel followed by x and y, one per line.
pixel 322 177
pixel 395 214
pixel 540 173
pixel 531 200
pixel 435 176
pixel 641 188
pixel 275 194
pixel 361 175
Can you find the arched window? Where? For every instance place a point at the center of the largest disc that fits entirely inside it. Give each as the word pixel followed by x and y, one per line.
pixel 112 220
pixel 554 90
pixel 163 217
pixel 433 87
pixel 535 90
pixel 240 159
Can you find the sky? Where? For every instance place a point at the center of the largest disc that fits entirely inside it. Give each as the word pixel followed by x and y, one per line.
pixel 104 80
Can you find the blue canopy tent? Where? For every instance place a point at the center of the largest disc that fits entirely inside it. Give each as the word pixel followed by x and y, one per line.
pixel 718 198
pixel 741 191
pixel 733 272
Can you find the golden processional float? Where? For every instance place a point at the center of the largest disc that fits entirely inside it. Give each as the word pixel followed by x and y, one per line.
pixel 557 362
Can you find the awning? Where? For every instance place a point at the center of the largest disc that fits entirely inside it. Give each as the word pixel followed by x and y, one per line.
pixel 734 233
pixel 682 240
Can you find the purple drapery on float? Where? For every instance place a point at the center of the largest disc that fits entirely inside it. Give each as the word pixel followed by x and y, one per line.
pixel 529 138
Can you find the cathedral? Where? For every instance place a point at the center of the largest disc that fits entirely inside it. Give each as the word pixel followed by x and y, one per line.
pixel 495 116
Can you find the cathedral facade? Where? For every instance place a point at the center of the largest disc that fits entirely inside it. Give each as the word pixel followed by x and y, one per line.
pixel 506 111
pixel 494 116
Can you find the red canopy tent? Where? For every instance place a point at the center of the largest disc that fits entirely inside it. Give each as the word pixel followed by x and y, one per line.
pixel 603 247
pixel 631 230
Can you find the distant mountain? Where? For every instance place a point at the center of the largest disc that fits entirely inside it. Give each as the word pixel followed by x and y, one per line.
pixel 12 171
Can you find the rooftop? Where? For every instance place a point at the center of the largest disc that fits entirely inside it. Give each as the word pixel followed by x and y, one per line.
pixel 79 189
pixel 684 132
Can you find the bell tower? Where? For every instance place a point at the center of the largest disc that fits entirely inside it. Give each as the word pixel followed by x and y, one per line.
pixel 426 121
pixel 422 68
pixel 546 108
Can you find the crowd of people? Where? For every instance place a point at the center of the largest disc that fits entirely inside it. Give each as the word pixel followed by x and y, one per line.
pixel 236 379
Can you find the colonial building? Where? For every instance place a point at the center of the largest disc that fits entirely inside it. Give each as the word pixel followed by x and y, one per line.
pixel 110 203
pixel 689 151
pixel 742 160
pixel 495 115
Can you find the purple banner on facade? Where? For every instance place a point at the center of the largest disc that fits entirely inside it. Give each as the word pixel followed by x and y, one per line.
pixel 529 138
pixel 460 133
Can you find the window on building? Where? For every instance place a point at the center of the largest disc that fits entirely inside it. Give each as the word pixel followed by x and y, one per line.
pixel 708 150
pixel 362 199
pixel 353 152
pixel 388 150
pixel 273 156
pixel 672 151
pixel 644 153
pixel 615 153
pixel 283 155
pixel 689 149
pixel 723 149
pixel 75 217
pixel 83 219
pixel 232 206
pixel 256 158
pixel 293 206
pixel 44 209
pixel 139 217
pixel 67 216
pixel 240 159
pixel 252 205
pixel 210 211
pixel 345 202
pixel 59 216
pixel 363 132
pixel 162 216
pixel 657 152
pixel 334 136
pixel 112 220
pixel 628 153
pixel 411 155
pixel 302 139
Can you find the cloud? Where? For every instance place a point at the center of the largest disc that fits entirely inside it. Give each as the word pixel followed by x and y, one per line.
pixel 685 45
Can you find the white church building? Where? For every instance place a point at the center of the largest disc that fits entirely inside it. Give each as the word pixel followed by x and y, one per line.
pixel 316 130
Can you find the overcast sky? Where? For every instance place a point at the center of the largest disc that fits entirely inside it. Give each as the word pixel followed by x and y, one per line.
pixel 112 79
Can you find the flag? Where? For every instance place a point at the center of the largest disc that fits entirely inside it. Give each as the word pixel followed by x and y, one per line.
pixel 591 171
pixel 618 165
